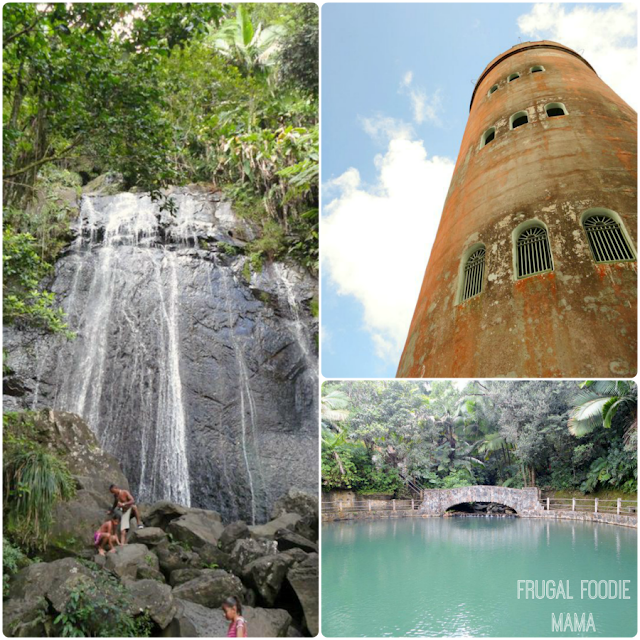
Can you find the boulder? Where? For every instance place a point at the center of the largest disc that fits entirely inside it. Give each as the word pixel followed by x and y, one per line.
pixel 307 527
pixel 296 555
pixel 128 558
pixel 197 529
pixel 303 578
pixel 268 530
pixel 180 576
pixel 287 539
pixel 266 623
pixel 161 513
pixel 193 620
pixel 232 532
pixel 210 589
pixel 24 617
pixel 40 579
pixel 296 501
pixel 150 536
pixel 153 598
pixel 211 555
pixel 247 550
pixel 93 470
pixel 172 556
pixel 267 575
pixel 145 572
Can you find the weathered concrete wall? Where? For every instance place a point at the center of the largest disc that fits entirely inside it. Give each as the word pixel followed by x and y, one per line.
pixel 605 518
pixel 578 320
pixel 522 501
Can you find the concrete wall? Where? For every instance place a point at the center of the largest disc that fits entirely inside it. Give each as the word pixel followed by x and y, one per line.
pixel 578 320
pixel 437 501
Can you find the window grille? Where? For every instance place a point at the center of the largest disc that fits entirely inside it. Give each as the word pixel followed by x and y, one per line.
pixel 606 240
pixel 473 275
pixel 534 253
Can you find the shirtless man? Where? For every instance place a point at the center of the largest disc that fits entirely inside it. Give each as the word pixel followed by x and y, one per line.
pixel 125 501
pixel 107 534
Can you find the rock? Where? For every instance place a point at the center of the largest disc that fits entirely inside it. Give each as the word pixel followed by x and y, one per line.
pixel 40 579
pixel 247 550
pixel 211 555
pixel 307 527
pixel 197 529
pixel 153 598
pixel 193 620
pixel 173 556
pixel 145 572
pixel 93 470
pixel 161 513
pixel 24 618
pixel 296 554
pixel 211 588
pixel 287 539
pixel 267 575
pixel 105 185
pixel 180 576
pixel 128 558
pixel 232 532
pixel 268 530
pixel 303 579
pixel 266 623
pixel 296 501
pixel 150 536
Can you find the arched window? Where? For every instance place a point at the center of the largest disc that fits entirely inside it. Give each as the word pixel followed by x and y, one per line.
pixel 473 275
pixel 518 119
pixel 537 69
pixel 487 136
pixel 494 88
pixel 513 76
pixel 533 253
pixel 555 109
pixel 606 238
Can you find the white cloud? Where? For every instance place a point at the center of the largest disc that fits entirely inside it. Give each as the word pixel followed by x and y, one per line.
pixel 605 37
pixel 376 239
pixel 383 128
pixel 407 79
pixel 425 107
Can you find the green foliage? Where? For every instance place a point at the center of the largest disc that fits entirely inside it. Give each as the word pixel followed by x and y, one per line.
pixel 13 559
pixel 458 478
pixel 35 480
pixel 25 303
pixel 101 610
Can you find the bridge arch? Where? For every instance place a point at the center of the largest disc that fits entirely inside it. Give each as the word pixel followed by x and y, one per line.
pixel 436 501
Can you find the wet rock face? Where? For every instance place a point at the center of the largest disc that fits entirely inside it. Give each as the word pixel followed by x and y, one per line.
pixel 201 384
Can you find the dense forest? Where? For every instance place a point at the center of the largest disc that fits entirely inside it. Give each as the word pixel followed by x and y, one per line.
pixel 151 95
pixel 382 437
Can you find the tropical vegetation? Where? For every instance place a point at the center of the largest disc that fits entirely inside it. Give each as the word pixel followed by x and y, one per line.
pixel 389 436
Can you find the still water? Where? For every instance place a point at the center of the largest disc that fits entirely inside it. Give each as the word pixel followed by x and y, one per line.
pixel 458 576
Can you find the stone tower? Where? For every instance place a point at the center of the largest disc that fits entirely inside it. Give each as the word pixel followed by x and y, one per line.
pixel 533 272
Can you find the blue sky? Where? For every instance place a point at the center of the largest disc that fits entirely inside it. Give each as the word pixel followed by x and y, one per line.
pixel 396 84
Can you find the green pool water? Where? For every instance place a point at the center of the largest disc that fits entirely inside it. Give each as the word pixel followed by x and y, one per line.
pixel 458 576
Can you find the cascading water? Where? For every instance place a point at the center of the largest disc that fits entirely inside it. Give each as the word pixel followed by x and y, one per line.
pixel 201 384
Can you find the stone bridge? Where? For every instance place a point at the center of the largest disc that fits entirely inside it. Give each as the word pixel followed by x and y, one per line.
pixel 522 501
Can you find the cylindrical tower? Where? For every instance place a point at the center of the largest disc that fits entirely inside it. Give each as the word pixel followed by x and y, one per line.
pixel 533 272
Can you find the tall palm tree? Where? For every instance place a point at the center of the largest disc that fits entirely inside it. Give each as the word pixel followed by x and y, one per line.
pixel 596 403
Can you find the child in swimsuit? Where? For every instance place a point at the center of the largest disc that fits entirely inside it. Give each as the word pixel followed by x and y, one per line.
pixel 106 535
pixel 232 610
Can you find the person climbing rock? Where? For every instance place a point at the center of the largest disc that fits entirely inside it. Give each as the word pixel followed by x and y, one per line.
pixel 107 534
pixel 125 501
pixel 232 610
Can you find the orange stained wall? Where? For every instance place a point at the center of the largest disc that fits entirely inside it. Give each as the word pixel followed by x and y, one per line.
pixel 578 320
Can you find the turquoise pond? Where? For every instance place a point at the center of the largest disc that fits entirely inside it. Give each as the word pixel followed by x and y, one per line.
pixel 459 576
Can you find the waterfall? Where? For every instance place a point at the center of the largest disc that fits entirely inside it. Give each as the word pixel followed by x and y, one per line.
pixel 202 385
pixel 298 328
pixel 110 272
pixel 246 398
